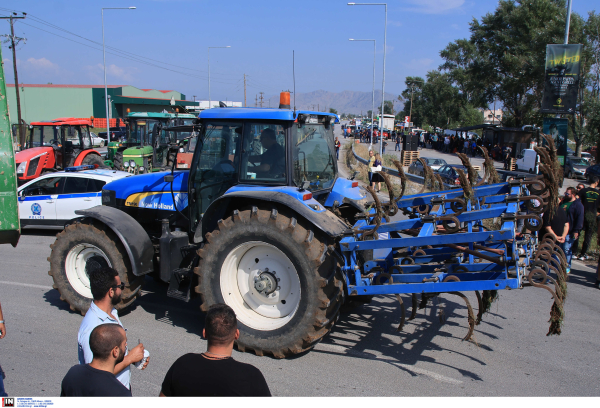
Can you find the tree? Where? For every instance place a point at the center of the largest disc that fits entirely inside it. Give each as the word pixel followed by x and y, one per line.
pixel 504 57
pixel 388 107
pixel 331 110
pixel 412 95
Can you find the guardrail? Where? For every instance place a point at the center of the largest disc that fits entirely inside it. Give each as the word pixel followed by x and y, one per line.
pixel 394 172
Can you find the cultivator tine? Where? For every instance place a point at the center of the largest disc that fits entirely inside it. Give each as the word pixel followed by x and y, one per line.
pixel 391 207
pixel 415 304
pixel 471 316
pixel 480 308
pixel 403 178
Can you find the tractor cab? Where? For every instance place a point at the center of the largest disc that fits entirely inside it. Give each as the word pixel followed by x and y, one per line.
pixel 146 148
pixel 55 145
pixel 180 142
pixel 261 149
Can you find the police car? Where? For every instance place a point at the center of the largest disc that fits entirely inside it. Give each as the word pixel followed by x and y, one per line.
pixel 51 200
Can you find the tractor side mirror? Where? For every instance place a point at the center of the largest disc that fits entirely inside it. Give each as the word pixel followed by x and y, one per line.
pixel 356 173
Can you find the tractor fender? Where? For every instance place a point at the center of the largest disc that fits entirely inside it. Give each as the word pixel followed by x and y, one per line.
pixel 132 235
pixel 83 154
pixel 323 219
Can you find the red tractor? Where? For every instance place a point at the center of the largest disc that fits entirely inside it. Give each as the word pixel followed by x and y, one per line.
pixel 55 145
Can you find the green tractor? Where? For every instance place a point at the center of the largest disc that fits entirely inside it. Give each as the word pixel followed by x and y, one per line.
pixel 146 147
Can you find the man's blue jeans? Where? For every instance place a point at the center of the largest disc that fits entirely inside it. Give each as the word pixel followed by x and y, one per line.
pixel 567 249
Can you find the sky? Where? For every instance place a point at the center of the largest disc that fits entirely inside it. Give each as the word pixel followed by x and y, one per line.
pixel 164 44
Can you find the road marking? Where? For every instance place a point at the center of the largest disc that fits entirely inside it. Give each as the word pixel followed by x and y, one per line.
pixel 27 285
pixel 343 350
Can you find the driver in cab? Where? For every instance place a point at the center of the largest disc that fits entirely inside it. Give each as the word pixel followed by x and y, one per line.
pixel 272 162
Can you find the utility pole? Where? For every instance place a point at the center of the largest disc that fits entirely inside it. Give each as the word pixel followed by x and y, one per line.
pixel 194 98
pixel 255 101
pixel 12 45
pixel 261 98
pixel 245 91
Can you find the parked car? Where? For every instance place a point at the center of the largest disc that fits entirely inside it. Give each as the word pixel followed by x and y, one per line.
pixel 575 167
pixel 116 134
pixel 449 174
pixel 416 167
pixel 51 200
pixel 592 171
pixel 97 140
pixel 588 156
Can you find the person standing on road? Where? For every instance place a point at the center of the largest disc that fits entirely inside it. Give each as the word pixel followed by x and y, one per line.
pixel 398 146
pixel 2 335
pixel 337 148
pixel 108 343
pixel 590 198
pixel 345 133
pixel 215 372
pixel 106 287
pixel 557 227
pixel 446 145
pixel 574 209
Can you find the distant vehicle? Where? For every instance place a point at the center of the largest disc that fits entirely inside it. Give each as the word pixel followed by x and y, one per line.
pixel 97 140
pixel 575 167
pixel 592 171
pixel 449 174
pixel 528 160
pixel 51 200
pixel 590 159
pixel 116 134
pixel 416 167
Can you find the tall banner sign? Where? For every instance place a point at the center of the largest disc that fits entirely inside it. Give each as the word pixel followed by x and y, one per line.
pixel 558 129
pixel 562 78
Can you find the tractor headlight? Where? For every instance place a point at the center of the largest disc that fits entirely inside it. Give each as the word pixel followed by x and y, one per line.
pixel 132 164
pixel 126 164
pixel 21 168
pixel 141 168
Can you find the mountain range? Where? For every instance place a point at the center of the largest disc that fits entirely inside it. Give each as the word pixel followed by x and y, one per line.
pixel 344 102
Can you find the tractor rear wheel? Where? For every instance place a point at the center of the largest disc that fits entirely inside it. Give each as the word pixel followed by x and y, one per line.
pixel 278 277
pixel 80 247
pixel 95 160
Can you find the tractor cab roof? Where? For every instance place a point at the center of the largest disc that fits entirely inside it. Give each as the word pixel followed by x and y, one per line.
pixel 63 122
pixel 259 113
pixel 160 115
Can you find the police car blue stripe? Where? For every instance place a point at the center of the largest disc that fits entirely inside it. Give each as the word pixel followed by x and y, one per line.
pixel 61 196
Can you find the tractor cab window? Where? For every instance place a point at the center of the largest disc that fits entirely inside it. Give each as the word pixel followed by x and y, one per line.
pixel 86 139
pixel 313 155
pixel 214 170
pixel 36 137
pixel 263 153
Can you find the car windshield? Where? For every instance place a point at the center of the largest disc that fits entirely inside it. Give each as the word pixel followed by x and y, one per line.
pixel 578 161
pixel 436 162
pixel 313 155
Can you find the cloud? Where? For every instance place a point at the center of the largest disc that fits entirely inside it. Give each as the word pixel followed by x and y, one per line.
pixel 434 6
pixel 41 64
pixel 113 72
pixel 455 26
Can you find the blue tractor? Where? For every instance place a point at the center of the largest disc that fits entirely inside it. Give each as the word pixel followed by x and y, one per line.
pixel 263 222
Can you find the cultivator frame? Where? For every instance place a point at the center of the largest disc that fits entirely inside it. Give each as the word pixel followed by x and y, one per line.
pixel 444 246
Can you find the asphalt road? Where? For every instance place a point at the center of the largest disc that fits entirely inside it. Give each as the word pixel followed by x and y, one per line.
pixel 364 355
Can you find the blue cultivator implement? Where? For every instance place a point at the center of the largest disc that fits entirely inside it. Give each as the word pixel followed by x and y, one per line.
pixel 447 245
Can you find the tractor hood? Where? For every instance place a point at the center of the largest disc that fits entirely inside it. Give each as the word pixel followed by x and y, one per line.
pixel 149 184
pixel 28 154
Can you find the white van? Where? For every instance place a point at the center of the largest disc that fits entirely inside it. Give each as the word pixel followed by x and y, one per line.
pixel 528 160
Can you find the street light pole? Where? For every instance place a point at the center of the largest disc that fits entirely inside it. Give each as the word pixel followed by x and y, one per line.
pixel 209 99
pixel 383 79
pixel 104 60
pixel 373 92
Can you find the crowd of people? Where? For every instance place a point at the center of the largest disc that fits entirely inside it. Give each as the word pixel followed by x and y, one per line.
pixel 105 359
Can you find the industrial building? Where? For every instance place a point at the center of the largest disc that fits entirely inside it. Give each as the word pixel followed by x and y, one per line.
pixel 50 101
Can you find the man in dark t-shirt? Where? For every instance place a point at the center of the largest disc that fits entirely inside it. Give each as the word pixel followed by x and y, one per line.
pixel 590 198
pixel 215 372
pixel 558 226
pixel 97 379
pixel 272 162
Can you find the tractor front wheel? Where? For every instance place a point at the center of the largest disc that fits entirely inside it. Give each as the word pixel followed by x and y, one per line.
pixel 81 247
pixel 277 276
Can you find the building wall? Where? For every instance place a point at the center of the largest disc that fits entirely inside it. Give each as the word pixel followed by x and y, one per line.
pixel 55 101
pixel 50 103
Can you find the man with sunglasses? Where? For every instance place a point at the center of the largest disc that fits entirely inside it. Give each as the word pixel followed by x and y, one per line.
pixel 106 287
pixel 574 209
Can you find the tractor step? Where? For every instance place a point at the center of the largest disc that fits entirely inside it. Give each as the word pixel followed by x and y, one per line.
pixel 180 284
